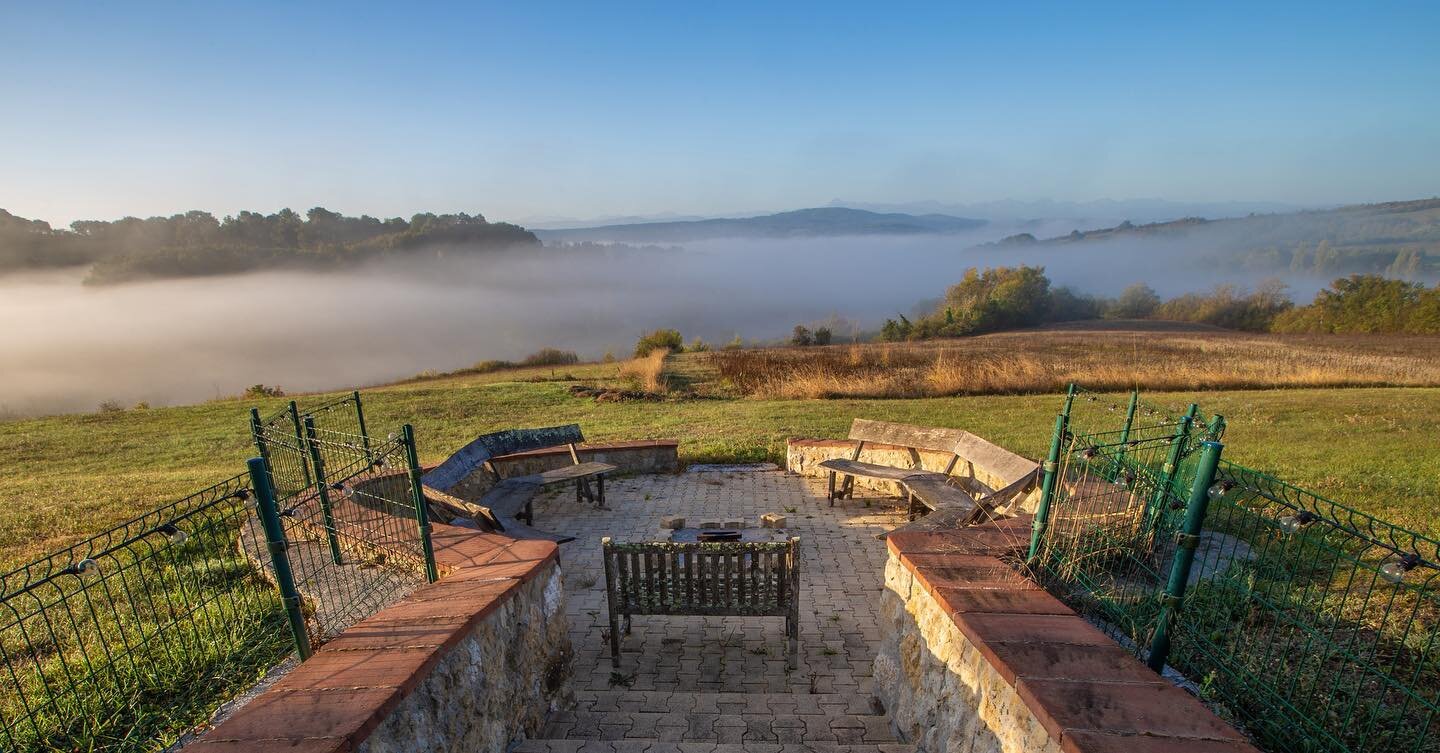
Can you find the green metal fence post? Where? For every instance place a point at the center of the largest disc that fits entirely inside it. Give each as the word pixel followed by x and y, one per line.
pixel 417 495
pixel 1125 433
pixel 1155 507
pixel 257 432
pixel 1185 542
pixel 279 558
pixel 300 442
pixel 1216 430
pixel 364 435
pixel 1070 390
pixel 1047 488
pixel 322 490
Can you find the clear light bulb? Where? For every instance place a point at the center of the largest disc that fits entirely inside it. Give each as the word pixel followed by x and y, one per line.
pixel 174 535
pixel 1394 570
pixel 1219 489
pixel 87 568
pixel 1291 524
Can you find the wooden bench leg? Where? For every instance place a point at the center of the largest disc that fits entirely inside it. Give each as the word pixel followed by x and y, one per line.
pixel 831 494
pixel 600 491
pixel 614 640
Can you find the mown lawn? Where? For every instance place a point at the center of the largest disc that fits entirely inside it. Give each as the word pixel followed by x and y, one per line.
pixel 69 476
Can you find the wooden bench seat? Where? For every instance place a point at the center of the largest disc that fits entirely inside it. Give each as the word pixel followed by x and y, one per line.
pixel 574 473
pixel 873 470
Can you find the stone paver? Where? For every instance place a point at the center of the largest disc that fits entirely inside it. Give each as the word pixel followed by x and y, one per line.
pixel 695 683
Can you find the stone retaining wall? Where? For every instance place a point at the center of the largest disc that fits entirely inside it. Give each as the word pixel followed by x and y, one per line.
pixel 977 659
pixel 991 465
pixel 468 663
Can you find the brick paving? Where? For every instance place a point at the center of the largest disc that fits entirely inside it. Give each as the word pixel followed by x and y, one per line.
pixel 720 684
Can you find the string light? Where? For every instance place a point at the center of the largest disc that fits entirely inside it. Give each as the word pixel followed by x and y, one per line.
pixel 174 534
pixel 87 568
pixel 1293 523
pixel 1394 570
pixel 1219 489
pixel 1088 454
pixel 1125 479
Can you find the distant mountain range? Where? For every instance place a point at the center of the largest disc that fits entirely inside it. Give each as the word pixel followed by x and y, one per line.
pixel 801 223
pixel 1092 213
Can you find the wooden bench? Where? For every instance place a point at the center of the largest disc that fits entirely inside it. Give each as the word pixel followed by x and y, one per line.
pixel 510 500
pixel 741 579
pixel 936 491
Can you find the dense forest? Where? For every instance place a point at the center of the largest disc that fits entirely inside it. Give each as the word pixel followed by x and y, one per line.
pixel 196 243
pixel 1006 298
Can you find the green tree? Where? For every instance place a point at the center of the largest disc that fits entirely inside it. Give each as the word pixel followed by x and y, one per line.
pixel 1138 301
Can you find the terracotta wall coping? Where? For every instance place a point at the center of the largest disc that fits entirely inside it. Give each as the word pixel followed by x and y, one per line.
pixel 639 444
pixel 333 701
pixel 1089 693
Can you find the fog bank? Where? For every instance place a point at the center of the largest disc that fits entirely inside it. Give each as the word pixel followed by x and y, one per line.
pixel 66 347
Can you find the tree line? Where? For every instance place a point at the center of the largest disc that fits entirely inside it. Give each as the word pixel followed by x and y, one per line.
pixel 196 243
pixel 1006 298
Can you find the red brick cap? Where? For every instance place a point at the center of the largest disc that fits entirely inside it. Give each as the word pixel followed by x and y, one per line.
pixel 333 701
pixel 1090 695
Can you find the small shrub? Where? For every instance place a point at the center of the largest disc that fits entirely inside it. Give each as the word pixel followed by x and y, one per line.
pixel 735 343
pixel 551 357
pixel 111 406
pixel 261 390
pixel 667 339
pixel 609 356
pixel 802 336
pixel 699 346
pixel 822 336
pixel 142 405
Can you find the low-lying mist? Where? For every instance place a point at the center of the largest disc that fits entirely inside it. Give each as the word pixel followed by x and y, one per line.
pixel 67 347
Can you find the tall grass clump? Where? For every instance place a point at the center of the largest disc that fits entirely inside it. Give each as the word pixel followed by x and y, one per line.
pixel 647 373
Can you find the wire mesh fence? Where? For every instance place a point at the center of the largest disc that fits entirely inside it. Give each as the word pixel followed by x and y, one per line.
pixel 1305 621
pixel 134 635
pixel 357 538
pixel 126 640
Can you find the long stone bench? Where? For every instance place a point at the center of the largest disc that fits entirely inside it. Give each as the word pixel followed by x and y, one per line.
pixel 936 490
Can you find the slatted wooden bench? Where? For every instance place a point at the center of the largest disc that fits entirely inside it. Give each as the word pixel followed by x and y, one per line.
pixel 741 579
pixel 510 500
pixel 935 491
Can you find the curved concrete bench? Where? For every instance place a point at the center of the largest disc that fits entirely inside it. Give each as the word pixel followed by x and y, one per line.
pixel 508 502
pixel 936 491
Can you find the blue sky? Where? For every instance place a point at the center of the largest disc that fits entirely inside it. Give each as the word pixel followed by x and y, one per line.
pixel 522 110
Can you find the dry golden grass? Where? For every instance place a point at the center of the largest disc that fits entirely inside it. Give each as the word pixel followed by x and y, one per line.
pixel 647 372
pixel 1046 360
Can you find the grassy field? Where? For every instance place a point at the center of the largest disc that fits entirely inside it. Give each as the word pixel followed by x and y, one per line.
pixel 73 475
pixel 1103 358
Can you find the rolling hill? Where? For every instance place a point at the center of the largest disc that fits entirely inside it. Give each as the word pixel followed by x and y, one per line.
pixel 801 223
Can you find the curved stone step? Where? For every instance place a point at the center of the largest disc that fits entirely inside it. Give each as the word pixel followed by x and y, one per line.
pixel 688 702
pixel 657 746
pixel 733 728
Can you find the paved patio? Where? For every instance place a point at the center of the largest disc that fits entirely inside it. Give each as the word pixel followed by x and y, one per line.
pixel 697 684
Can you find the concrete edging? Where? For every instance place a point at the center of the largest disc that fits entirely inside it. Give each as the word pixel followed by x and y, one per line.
pixel 979 658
